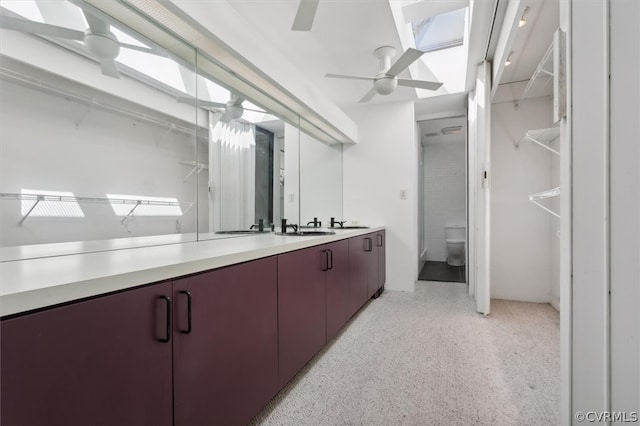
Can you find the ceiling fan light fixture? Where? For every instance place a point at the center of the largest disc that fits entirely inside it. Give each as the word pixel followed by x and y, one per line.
pixel 385 85
pixel 104 46
pixel 234 111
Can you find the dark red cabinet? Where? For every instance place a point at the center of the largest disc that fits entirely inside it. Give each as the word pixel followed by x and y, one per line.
pixel 337 285
pixel 225 344
pixel 301 308
pixel 358 273
pixel 381 244
pixel 208 349
pixel 97 362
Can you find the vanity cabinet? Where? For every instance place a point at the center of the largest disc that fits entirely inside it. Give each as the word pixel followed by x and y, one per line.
pixel 104 361
pixel 301 308
pixel 210 348
pixel 225 344
pixel 111 360
pixel 337 284
pixel 358 272
pixel 381 245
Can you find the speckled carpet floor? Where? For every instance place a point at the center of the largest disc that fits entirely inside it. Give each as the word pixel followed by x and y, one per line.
pixel 427 358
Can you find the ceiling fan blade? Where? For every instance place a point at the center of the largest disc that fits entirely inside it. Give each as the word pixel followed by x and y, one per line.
pixel 305 15
pixel 16 24
pixel 236 99
pixel 370 94
pixel 349 77
pixel 419 84
pixel 408 57
pixel 109 68
pixel 96 24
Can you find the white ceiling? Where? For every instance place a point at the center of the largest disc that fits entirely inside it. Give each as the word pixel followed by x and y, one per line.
pixel 344 35
pixel 346 32
pixel 532 40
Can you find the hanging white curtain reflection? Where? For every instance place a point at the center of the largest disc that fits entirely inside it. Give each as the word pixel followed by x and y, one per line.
pixel 232 169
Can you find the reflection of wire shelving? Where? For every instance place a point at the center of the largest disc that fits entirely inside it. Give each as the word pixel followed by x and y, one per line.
pixel 542 137
pixel 551 193
pixel 41 198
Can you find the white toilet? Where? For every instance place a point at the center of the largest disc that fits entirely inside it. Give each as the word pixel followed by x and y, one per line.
pixel 455 237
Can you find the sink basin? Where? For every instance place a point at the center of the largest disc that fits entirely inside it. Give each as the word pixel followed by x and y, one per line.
pixel 243 231
pixel 306 233
pixel 351 227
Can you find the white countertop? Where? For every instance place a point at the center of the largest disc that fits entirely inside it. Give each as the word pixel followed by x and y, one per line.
pixel 37 283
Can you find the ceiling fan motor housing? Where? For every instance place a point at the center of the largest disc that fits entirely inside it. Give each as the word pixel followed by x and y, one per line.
pixel 104 46
pixel 385 84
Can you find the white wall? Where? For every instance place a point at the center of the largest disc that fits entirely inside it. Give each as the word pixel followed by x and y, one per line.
pixel 521 233
pixel 625 206
pixel 445 186
pixel 53 144
pixel 375 170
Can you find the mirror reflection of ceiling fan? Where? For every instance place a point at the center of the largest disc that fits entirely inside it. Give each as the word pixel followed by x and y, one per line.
pixel 232 110
pixel 98 39
pixel 386 81
pixel 305 15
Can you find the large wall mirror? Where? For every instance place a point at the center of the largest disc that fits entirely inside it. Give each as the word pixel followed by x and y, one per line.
pixel 126 143
pixel 320 180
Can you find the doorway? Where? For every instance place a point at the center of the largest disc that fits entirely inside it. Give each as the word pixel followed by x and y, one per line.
pixel 443 203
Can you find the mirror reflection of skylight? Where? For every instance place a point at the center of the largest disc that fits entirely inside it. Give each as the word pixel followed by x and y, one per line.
pixel 53 204
pixel 441 31
pixel 140 205
pixel 157 67
pixel 126 38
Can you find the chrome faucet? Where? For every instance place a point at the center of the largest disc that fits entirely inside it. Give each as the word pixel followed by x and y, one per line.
pixel 334 222
pixel 316 223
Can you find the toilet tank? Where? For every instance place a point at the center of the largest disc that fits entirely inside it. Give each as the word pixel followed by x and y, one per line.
pixel 455 233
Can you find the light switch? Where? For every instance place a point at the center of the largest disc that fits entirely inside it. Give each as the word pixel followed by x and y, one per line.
pixel 292 197
pixel 403 194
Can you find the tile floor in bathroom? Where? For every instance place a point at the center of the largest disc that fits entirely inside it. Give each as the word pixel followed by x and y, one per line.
pixel 441 271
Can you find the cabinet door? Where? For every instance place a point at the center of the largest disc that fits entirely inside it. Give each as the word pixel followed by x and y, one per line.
pixel 226 356
pixel 96 362
pixel 381 244
pixel 337 282
pixel 371 251
pixel 358 273
pixel 301 308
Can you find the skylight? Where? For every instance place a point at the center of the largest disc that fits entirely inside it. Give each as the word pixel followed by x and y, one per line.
pixel 441 31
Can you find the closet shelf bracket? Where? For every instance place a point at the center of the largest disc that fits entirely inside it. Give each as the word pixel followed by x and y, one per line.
pixel 542 137
pixel 197 168
pixel 38 199
pixel 551 193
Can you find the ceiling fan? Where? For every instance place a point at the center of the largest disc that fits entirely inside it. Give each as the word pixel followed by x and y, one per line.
pixel 305 15
pixel 98 40
pixel 232 110
pixel 386 81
